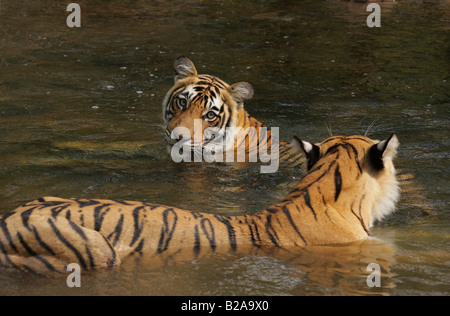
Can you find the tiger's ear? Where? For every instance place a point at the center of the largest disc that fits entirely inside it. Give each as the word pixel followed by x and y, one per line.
pixel 184 67
pixel 312 152
pixel 242 92
pixel 384 151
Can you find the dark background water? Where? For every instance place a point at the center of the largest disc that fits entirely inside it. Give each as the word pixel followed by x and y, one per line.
pixel 80 116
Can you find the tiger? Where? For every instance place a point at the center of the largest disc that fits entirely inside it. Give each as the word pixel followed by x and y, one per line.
pixel 223 124
pixel 219 105
pixel 350 183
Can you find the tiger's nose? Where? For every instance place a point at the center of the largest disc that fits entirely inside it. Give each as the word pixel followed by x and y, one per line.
pixel 180 137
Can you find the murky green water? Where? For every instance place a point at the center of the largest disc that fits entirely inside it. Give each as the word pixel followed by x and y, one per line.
pixel 80 115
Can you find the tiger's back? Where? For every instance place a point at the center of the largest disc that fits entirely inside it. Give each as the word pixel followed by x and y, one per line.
pixel 49 233
pixel 350 184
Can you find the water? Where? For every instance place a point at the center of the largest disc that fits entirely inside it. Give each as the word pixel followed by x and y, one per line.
pixel 80 116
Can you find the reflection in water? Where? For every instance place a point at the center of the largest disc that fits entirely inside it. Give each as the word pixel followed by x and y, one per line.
pixel 314 270
pixel 330 270
pixel 343 268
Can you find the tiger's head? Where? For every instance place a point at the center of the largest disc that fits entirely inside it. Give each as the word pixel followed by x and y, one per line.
pixel 356 173
pixel 203 104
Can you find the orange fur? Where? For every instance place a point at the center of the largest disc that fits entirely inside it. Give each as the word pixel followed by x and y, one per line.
pixel 350 183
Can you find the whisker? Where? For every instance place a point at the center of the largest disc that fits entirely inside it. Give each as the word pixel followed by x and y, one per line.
pixel 370 127
pixel 329 129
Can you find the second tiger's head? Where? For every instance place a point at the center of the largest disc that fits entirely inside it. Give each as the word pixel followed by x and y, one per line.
pixel 203 106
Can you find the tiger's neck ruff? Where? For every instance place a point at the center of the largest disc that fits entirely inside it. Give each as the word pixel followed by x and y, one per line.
pixel 350 184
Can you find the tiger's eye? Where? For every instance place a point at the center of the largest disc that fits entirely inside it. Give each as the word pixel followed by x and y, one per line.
pixel 210 115
pixel 182 103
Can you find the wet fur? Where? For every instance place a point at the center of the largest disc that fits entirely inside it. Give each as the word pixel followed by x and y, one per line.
pixel 343 193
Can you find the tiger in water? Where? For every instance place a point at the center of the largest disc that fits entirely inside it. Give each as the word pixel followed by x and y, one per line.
pixel 220 107
pixel 222 122
pixel 350 183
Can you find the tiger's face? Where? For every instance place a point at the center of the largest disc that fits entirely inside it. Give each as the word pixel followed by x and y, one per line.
pixel 198 109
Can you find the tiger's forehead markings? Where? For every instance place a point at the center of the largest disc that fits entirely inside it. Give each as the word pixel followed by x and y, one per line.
pixel 346 139
pixel 343 141
pixel 208 91
pixel 209 83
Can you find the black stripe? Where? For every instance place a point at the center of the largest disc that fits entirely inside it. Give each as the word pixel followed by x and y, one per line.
pixel 355 152
pixel 316 168
pixel 231 233
pixel 196 241
pixel 99 216
pixel 337 183
pixel 344 138
pixel 150 205
pixel 91 258
pixel 228 119
pixel 360 214
pixel 32 253
pixel 170 102
pixel 67 243
pixel 113 260
pixel 52 203
pixel 197 98
pixel 289 217
pixel 138 227
pixel 333 149
pixel 224 117
pixel 25 215
pixel 58 209
pixel 113 251
pixel 361 221
pixel 117 231
pixel 5 253
pixel 216 122
pixel 308 203
pixel 122 202
pixel 77 229
pixel 41 242
pixel 360 138
pixel 284 151
pixel 5 230
pixel 269 140
pixel 301 190
pixel 167 229
pixel 84 203
pixel 271 232
pixel 272 209
pixel 137 249
pixel 220 84
pixel 197 215
pixel 173 95
pixel 346 146
pixel 210 235
pixel 255 238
